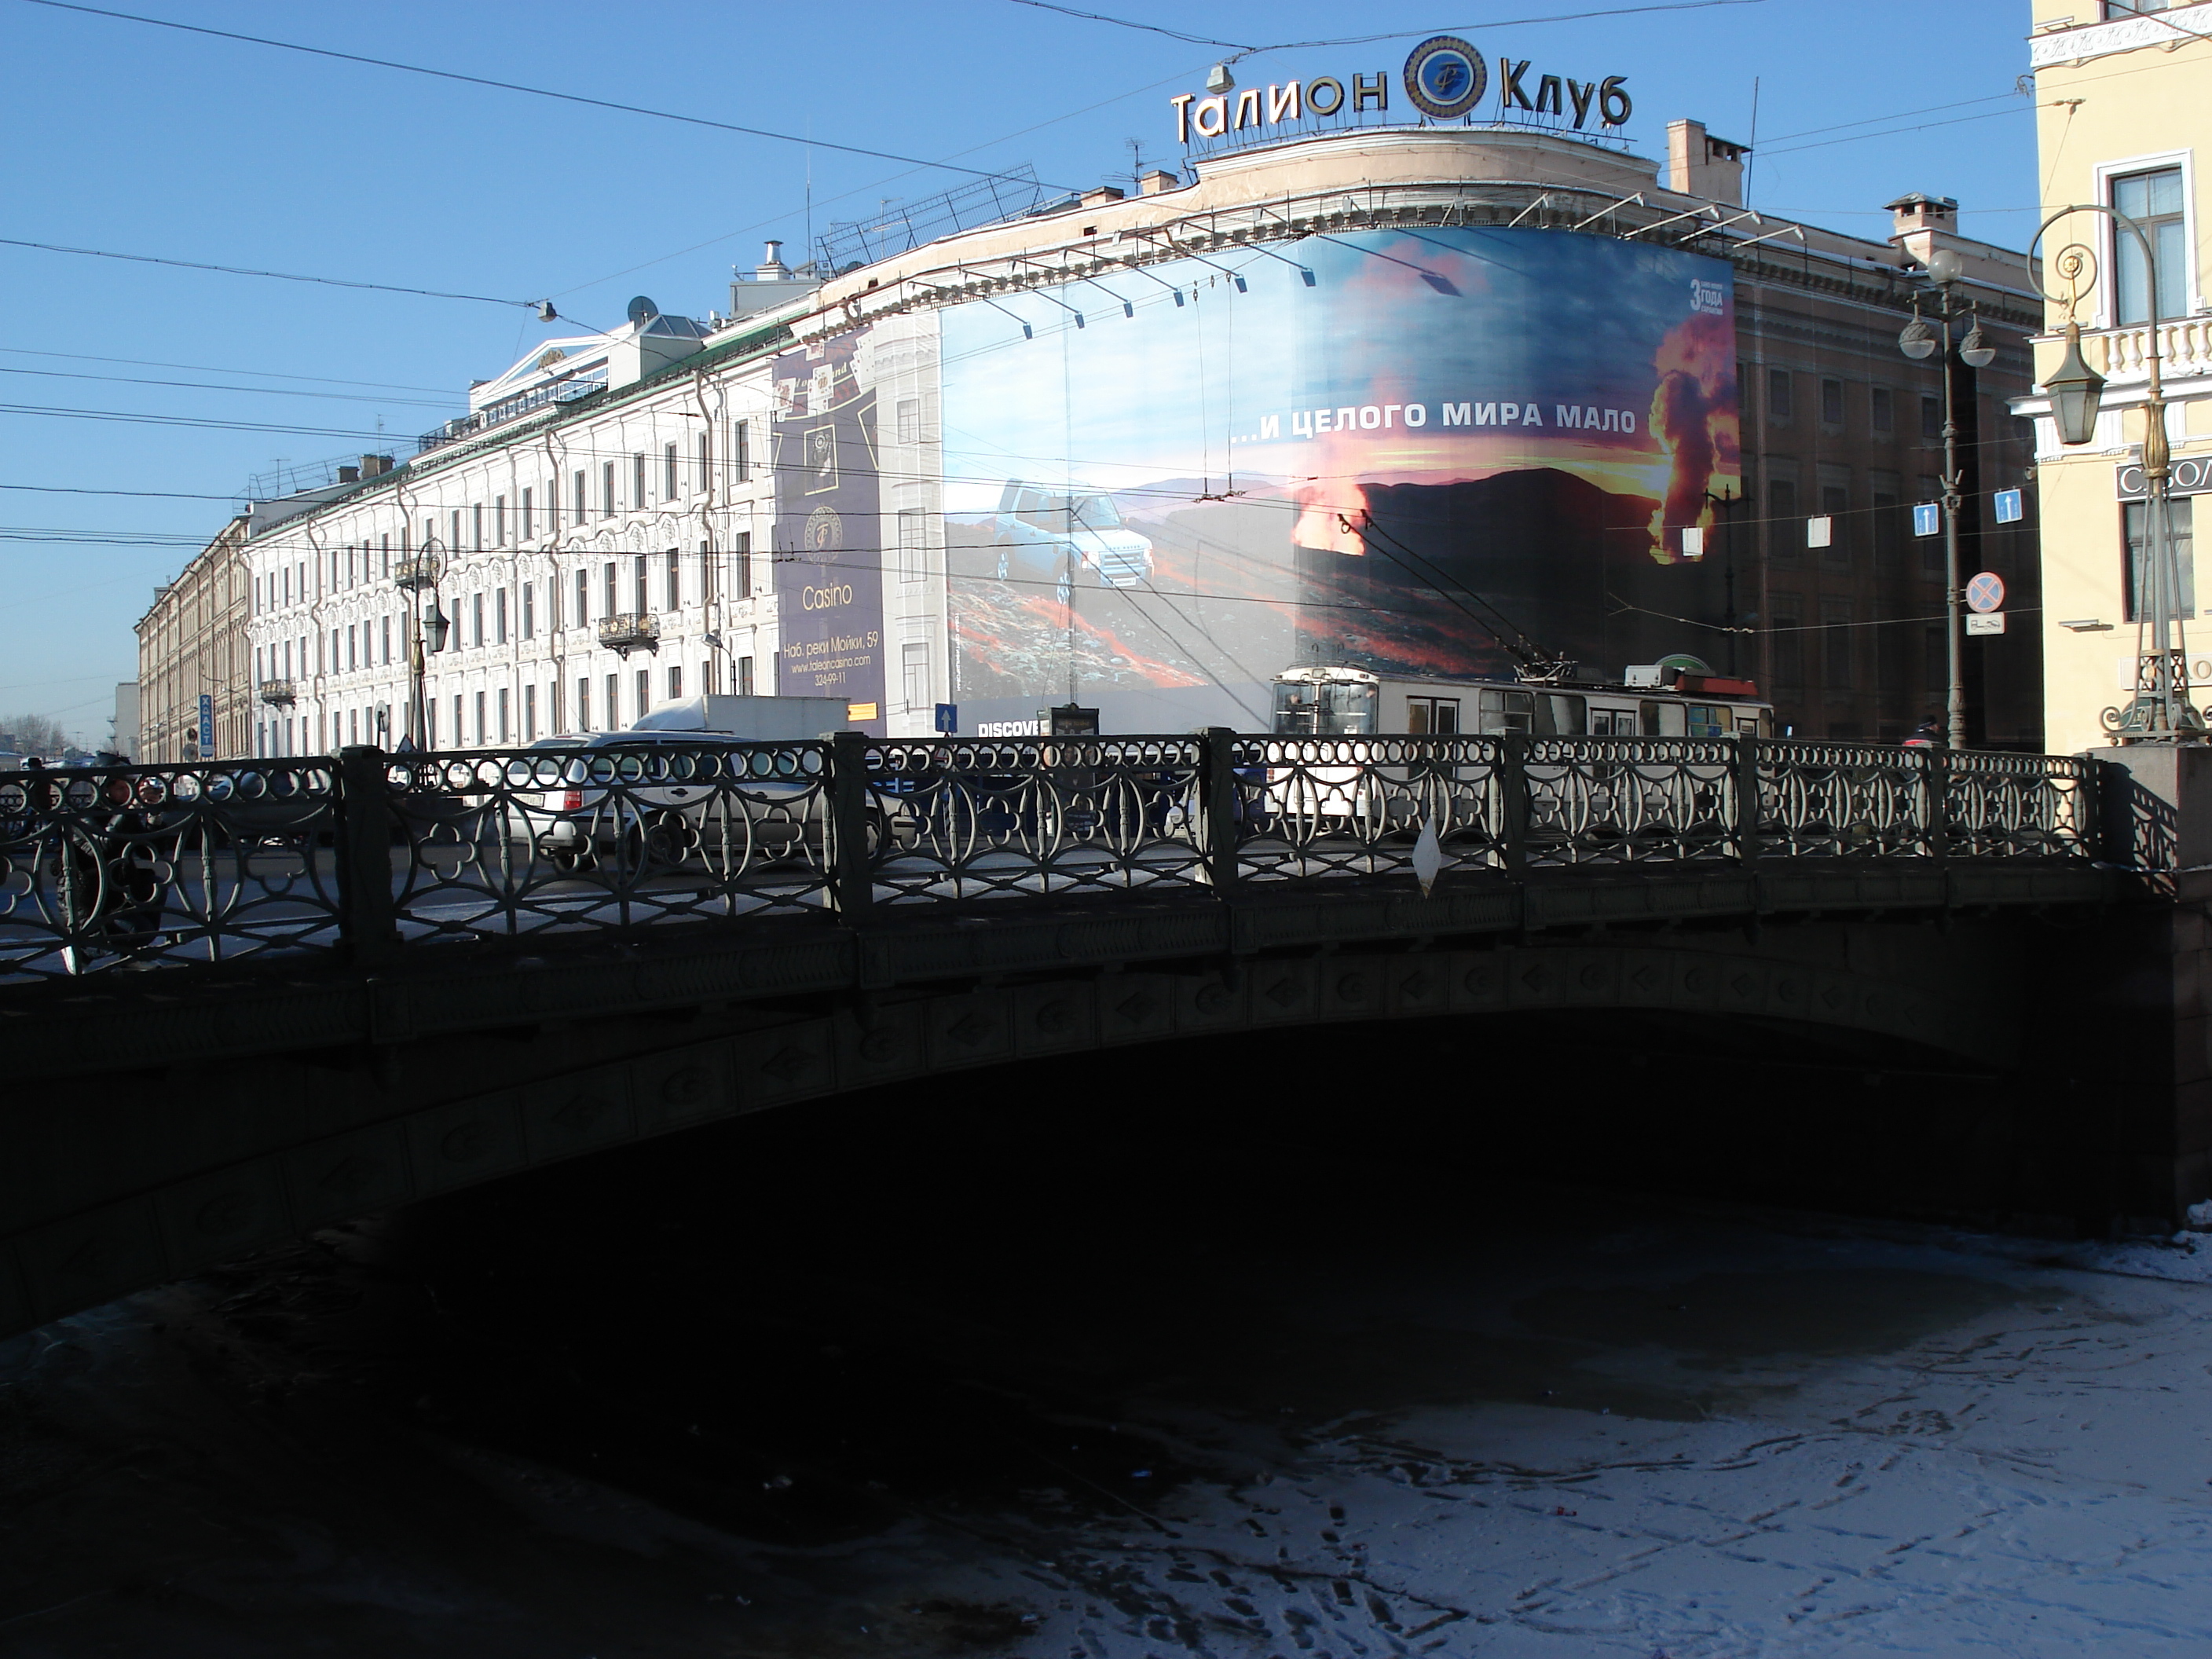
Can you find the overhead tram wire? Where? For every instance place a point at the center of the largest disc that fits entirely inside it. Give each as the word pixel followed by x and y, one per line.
pixel 240 270
pixel 1244 51
pixel 216 368
pixel 540 92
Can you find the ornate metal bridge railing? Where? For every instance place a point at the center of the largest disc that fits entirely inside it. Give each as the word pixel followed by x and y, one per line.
pixel 126 869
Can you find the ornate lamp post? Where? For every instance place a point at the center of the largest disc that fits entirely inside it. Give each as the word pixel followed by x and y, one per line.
pixel 2160 711
pixel 418 576
pixel 1919 342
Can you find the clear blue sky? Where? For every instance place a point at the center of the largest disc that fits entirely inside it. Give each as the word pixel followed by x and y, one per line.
pixel 143 140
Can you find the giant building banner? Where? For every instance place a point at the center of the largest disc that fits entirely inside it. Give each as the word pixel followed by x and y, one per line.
pixel 1156 490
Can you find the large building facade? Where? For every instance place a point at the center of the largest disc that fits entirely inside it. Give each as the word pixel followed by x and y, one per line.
pixel 2124 94
pixel 192 644
pixel 1419 399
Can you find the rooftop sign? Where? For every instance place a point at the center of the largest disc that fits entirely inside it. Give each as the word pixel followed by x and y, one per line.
pixel 1444 78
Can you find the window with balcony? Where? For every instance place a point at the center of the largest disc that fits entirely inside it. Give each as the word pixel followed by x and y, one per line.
pixel 2153 201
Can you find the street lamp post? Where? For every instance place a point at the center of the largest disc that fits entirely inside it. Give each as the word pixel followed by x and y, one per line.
pixel 418 574
pixel 2160 711
pixel 1919 341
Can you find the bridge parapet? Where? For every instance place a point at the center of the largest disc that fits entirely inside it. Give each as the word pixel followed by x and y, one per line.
pixel 375 857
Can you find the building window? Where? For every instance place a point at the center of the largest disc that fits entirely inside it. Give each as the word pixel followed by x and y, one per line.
pixel 614 702
pixel 745 551
pixel 453 541
pixel 675 579
pixel 529 610
pixel 606 489
pixel 699 473
pixel 744 677
pixel 1836 640
pixel 644 689
pixel 499 521
pixel 480 719
pixel 2180 530
pixel 1836 503
pixel 668 480
pixel 553 693
pixel 460 730
pixel 1778 396
pixel 527 531
pixel 638 572
pixel 1781 509
pixel 613 603
pixel 913 670
pixel 1789 643
pixel 675 681
pixel 475 609
pixel 912 556
pixel 637 480
pixel 353 659
pixel 499 605
pixel 476 528
pixel 1931 417
pixel 909 420
pixel 741 454
pixel 1880 409
pixel 530 713
pixel 503 727
pixel 577 491
pixel 1832 403
pixel 583 597
pixel 1888 533
pixel 583 703
pixel 2153 200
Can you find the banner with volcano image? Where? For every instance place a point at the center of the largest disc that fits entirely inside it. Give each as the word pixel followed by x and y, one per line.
pixel 1386 448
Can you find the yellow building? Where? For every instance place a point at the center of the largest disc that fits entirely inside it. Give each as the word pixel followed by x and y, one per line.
pixel 193 642
pixel 2124 94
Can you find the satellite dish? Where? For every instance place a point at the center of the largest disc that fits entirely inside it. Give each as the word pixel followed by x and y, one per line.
pixel 642 311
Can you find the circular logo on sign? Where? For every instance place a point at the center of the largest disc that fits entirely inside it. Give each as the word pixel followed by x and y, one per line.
pixel 1445 78
pixel 1985 592
pixel 825 530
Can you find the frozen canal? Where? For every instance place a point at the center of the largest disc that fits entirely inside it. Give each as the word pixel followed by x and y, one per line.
pixel 1009 1391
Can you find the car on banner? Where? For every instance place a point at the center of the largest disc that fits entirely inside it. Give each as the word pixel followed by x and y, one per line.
pixel 1044 533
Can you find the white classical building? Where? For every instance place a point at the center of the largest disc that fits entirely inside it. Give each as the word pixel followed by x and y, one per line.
pixel 594 532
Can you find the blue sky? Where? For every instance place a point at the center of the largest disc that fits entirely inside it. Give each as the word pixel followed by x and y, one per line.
pixel 143 140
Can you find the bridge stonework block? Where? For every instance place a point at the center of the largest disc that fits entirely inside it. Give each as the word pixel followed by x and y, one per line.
pixel 577 1114
pixel 347 1175
pixel 1210 1002
pixel 971 1030
pixel 213 1217
pixel 1282 991
pixel 91 1259
pixel 885 1046
pixel 691 1085
pixel 1056 1017
pixel 785 1063
pixel 1135 1007
pixel 464 1142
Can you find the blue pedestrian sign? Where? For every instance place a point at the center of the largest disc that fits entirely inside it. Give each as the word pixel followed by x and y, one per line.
pixel 948 717
pixel 1927 519
pixel 2009 506
pixel 207 724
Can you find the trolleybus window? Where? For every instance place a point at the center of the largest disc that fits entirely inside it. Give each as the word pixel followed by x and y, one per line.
pixel 1546 714
pixel 1432 716
pixel 1708 720
pixel 1324 710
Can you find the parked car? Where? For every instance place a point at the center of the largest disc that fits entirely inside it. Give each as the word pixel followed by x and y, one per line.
pixel 655 796
pixel 1047 534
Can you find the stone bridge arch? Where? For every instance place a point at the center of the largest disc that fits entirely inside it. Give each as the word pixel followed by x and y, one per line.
pixel 378 1127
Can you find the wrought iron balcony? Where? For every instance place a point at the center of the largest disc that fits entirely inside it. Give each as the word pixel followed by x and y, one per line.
pixel 421 571
pixel 629 631
pixel 279 691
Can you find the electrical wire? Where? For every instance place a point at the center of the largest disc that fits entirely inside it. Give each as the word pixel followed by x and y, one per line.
pixel 216 368
pixel 241 271
pixel 537 92
pixel 1245 51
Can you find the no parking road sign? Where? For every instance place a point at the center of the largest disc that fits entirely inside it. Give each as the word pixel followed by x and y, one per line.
pixel 1984 591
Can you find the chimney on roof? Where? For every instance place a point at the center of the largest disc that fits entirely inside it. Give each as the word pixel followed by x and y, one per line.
pixel 376 466
pixel 1154 180
pixel 349 475
pixel 772 268
pixel 1102 195
pixel 1921 223
pixel 1698 164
